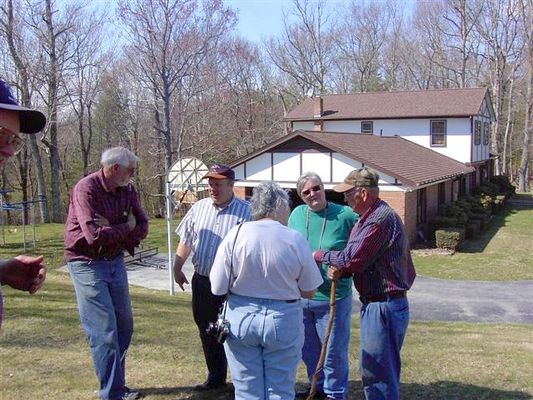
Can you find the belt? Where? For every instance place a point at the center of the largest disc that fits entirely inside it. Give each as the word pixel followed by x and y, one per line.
pixel 382 297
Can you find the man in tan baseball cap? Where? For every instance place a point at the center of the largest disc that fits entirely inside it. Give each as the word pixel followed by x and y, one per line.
pixel 377 255
pixel 362 177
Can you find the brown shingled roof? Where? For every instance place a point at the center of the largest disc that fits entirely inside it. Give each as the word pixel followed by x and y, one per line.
pixel 411 164
pixel 396 104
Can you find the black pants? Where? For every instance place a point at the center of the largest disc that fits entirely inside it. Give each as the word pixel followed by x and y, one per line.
pixel 205 308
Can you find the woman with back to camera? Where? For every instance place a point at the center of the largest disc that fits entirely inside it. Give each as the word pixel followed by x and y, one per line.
pixel 267 268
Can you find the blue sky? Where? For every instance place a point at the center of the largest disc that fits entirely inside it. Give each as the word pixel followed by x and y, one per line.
pixel 259 19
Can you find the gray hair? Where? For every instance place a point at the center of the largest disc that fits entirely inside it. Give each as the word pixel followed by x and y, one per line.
pixel 118 155
pixel 267 200
pixel 302 180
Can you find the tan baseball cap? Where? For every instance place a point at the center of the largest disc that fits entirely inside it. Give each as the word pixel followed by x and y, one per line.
pixel 362 177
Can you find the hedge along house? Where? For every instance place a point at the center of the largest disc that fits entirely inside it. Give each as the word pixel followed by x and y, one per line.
pixel 414 180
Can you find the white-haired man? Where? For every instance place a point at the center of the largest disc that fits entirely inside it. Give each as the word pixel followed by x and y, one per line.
pixel 104 219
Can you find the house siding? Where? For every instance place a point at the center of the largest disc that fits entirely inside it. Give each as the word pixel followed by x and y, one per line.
pixel 458 133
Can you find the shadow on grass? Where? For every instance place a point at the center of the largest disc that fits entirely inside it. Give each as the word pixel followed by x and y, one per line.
pixel 479 244
pixel 187 392
pixel 441 390
pixel 518 202
pixel 446 390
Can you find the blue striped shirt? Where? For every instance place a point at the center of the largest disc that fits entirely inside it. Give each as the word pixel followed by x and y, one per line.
pixel 205 225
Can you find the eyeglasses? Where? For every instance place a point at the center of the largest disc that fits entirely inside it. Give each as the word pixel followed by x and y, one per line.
pixel 129 170
pixel 314 189
pixel 10 138
pixel 351 192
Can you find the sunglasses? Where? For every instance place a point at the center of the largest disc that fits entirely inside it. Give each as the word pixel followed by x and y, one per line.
pixel 314 189
pixel 10 138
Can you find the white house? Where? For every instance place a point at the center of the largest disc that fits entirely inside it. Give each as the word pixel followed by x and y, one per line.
pixel 452 122
pixel 428 147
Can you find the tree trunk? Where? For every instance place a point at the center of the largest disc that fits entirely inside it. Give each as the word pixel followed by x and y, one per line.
pixel 53 87
pixel 507 128
pixel 21 67
pixel 523 171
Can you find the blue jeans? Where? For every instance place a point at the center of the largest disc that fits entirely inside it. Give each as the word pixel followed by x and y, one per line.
pixel 105 313
pixel 263 347
pixel 383 328
pixel 333 379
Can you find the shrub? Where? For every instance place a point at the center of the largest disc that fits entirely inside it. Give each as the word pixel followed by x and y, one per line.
pixel 450 238
pixel 439 222
pixel 486 202
pixel 472 229
pixel 483 219
pixel 504 184
pixel 498 203
pixel 454 211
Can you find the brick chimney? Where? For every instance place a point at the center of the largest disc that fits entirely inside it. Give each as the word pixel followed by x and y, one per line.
pixel 318 106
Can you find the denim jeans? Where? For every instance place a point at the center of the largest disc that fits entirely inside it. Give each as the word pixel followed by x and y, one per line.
pixel 105 312
pixel 383 328
pixel 263 347
pixel 333 378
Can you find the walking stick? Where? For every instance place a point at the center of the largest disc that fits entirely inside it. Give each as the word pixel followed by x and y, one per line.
pixel 320 363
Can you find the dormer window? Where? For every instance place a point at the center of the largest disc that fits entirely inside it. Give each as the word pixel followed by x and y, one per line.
pixel 367 126
pixel 438 133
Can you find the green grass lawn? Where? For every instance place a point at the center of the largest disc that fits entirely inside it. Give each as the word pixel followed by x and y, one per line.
pixel 45 355
pixel 503 252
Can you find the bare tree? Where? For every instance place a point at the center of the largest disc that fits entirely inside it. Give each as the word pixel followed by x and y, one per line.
pixel 82 81
pixel 168 42
pixel 361 39
pixel 304 52
pixel 13 31
pixel 54 28
pixel 499 27
pixel 526 15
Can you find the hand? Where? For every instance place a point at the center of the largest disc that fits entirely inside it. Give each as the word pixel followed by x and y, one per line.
pixel 334 273
pixel 101 220
pixel 132 221
pixel 24 273
pixel 180 277
pixel 317 256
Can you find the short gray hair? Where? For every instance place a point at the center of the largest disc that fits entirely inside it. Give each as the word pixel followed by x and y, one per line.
pixel 118 155
pixel 302 180
pixel 268 199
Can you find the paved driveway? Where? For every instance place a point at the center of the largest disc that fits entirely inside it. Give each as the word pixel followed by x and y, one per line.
pixel 471 301
pixel 430 299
